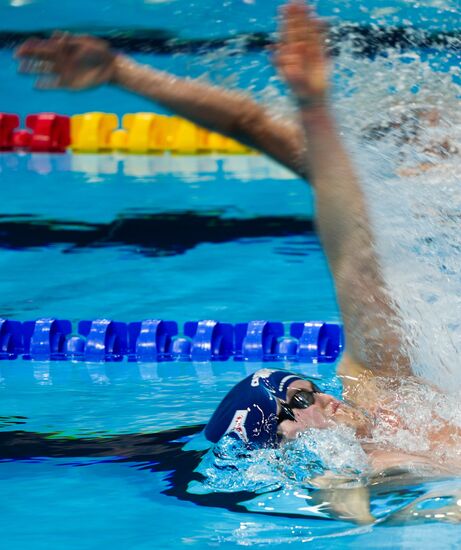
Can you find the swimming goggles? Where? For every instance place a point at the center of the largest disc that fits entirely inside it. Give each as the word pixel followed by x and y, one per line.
pixel 302 399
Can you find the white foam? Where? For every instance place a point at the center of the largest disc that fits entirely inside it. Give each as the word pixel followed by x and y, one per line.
pixel 416 216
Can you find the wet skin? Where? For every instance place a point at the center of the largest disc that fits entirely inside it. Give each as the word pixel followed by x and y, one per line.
pixel 365 414
pixel 325 412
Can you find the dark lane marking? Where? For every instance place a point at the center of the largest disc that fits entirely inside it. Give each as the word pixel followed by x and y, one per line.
pixel 158 452
pixel 12 420
pixel 150 234
pixel 365 39
pixel 23 445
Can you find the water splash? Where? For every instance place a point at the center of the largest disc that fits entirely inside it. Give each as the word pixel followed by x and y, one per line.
pixel 424 414
pixel 230 467
pixel 326 474
pixel 400 116
pixel 316 451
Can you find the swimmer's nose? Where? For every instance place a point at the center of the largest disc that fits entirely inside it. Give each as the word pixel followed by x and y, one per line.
pixel 323 399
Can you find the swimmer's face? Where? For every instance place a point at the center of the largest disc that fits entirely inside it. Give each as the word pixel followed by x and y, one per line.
pixel 325 412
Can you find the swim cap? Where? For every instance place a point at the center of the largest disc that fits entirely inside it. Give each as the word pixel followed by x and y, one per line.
pixel 249 410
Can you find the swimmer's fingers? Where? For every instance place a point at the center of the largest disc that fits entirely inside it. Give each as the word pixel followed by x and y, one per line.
pixel 66 81
pixel 41 50
pixel 68 61
pixel 48 83
pixel 60 49
pixel 299 24
pixel 34 66
pixel 61 80
pixel 44 57
pixel 300 57
pixel 293 27
pixel 290 62
pixel 58 82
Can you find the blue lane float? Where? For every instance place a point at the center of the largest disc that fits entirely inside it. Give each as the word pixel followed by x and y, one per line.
pixel 45 339
pixel 151 340
pixel 154 340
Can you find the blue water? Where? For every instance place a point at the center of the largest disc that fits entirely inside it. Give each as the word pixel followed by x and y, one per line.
pixel 208 19
pixel 282 278
pixel 64 498
pixel 86 503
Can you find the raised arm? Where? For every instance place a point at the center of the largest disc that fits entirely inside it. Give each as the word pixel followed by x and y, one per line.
pixel 81 62
pixel 371 320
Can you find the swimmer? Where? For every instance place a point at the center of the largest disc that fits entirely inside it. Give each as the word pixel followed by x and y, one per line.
pixel 273 407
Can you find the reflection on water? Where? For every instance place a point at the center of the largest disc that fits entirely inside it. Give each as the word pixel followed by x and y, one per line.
pixel 150 168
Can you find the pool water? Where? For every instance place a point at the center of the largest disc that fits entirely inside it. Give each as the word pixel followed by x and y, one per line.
pixel 191 19
pixel 105 454
pixel 89 469
pixel 238 244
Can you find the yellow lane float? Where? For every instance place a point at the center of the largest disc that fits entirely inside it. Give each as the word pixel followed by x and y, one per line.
pixel 147 133
pixel 91 132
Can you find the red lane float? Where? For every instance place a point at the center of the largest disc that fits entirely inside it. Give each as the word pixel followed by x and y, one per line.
pixel 8 123
pixel 49 133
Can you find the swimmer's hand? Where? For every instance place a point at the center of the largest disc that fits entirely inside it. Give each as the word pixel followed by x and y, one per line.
pixel 67 62
pixel 300 58
pixel 342 498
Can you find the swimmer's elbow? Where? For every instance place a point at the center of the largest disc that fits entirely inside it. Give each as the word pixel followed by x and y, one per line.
pixel 250 125
pixel 283 141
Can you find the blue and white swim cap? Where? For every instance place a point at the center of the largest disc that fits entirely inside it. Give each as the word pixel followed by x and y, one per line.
pixel 249 410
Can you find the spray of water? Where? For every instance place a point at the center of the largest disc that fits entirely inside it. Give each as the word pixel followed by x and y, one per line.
pixel 400 116
pixel 230 467
pixel 424 412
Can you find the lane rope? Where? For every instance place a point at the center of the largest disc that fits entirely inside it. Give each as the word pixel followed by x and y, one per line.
pixel 97 132
pixel 153 340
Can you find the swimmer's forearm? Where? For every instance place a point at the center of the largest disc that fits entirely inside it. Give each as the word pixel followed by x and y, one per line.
pixel 231 113
pixel 341 210
pixel 208 106
pixel 372 324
